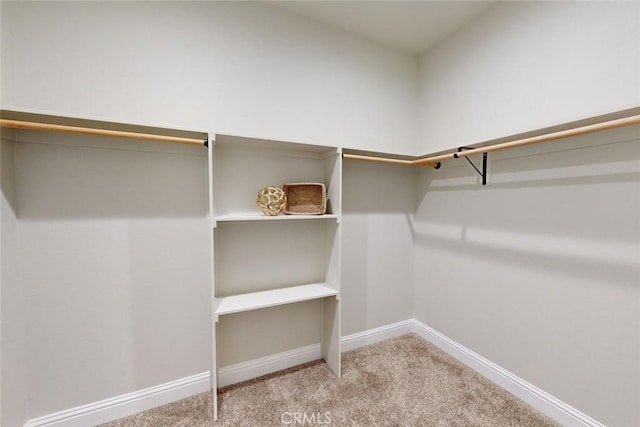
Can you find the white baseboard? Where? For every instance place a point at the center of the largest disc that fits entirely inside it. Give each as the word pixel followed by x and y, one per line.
pixel 372 336
pixel 542 401
pixel 233 374
pixel 126 404
pixel 131 403
pixel 266 365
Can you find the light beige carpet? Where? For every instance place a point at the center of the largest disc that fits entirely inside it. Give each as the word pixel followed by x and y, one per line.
pixel 403 381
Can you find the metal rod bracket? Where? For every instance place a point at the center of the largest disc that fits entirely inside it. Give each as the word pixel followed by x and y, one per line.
pixel 482 173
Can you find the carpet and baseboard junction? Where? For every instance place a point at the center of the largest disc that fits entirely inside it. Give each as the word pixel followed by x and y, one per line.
pixel 402 381
pixel 404 374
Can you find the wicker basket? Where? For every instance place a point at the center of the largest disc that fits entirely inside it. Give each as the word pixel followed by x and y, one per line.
pixel 305 198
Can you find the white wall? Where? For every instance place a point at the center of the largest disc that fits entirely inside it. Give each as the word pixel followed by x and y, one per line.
pixel 523 66
pixel 246 68
pixel 539 272
pixel 377 245
pixel 242 68
pixel 13 345
pixel 236 68
pixel 114 264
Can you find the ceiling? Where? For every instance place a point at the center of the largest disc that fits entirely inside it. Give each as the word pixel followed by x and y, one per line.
pixel 410 26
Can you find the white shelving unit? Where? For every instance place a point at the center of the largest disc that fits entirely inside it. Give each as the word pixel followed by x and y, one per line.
pixel 266 266
pixel 275 280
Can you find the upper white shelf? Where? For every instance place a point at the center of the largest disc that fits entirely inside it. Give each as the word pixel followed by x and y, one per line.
pixel 271 298
pixel 258 217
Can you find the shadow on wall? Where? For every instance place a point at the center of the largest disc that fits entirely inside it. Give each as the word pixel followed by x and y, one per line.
pixel 572 208
pixel 113 248
pixel 70 177
pixel 580 160
pixel 7 180
pixel 377 188
pixel 604 263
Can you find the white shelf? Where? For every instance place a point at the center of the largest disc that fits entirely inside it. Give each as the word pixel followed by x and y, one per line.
pixel 258 217
pixel 256 300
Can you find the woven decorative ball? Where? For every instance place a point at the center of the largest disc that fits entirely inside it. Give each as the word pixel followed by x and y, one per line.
pixel 271 200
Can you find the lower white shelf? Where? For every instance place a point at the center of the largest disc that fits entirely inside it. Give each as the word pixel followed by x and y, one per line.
pixel 263 299
pixel 262 217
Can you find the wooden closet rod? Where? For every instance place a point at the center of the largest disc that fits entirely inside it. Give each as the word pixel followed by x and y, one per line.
pixel 378 159
pixel 434 161
pixel 582 130
pixel 19 124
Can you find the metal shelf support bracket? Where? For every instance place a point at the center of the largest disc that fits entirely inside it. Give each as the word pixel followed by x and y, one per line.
pixel 483 174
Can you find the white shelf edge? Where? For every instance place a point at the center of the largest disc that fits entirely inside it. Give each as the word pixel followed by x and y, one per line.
pixel 271 298
pixel 257 217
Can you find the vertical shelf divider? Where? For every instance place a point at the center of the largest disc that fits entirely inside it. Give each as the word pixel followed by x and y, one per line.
pixel 238 168
pixel 210 231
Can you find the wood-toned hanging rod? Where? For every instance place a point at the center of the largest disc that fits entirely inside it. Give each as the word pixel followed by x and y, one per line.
pixel 19 124
pixel 582 130
pixel 378 159
pixel 434 161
